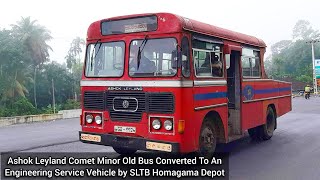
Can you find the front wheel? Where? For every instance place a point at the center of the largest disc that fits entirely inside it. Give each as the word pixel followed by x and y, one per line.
pixel 207 139
pixel 124 151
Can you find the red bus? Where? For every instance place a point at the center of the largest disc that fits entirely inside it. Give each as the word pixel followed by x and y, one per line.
pixel 168 83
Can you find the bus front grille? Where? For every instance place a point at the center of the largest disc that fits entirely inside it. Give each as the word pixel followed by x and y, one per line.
pixel 161 103
pixel 126 106
pixel 93 100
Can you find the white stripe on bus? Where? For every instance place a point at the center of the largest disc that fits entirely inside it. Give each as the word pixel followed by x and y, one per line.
pixel 159 83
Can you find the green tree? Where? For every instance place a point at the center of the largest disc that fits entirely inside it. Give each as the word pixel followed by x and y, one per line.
pixel 303 30
pixel 73 60
pixel 14 74
pixel 74 54
pixel 292 58
pixel 62 79
pixel 35 38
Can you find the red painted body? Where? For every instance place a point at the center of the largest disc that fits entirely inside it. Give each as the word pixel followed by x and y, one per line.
pixel 253 112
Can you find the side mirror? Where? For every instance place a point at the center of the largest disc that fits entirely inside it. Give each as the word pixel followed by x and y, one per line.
pixel 227 57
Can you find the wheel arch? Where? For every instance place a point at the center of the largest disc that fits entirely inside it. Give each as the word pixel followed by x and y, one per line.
pixel 215 118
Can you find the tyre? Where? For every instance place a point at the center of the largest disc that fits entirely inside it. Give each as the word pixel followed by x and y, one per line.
pixel 207 139
pixel 266 130
pixel 124 151
pixel 253 133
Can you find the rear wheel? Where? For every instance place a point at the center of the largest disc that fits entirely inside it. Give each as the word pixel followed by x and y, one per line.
pixel 124 151
pixel 253 132
pixel 266 131
pixel 207 139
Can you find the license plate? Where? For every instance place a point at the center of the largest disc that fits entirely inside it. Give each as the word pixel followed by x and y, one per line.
pixel 89 137
pixel 125 129
pixel 159 146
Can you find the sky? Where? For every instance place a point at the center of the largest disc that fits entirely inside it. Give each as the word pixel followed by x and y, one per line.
pixel 270 20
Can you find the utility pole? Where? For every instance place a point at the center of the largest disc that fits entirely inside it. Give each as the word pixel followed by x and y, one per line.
pixel 53 98
pixel 315 87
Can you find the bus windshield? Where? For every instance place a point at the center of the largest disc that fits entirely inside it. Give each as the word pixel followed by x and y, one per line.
pixel 158 58
pixel 105 59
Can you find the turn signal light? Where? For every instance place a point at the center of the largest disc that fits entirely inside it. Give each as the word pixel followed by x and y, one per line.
pixel 181 126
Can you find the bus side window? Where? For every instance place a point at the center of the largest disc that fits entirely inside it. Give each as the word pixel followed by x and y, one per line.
pixel 250 63
pixel 245 61
pixel 255 63
pixel 185 57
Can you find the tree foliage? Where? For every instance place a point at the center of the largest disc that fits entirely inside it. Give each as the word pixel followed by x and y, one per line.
pixel 25 67
pixel 293 58
pixel 74 64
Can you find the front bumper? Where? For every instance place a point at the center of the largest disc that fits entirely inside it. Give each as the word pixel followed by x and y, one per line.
pixel 128 142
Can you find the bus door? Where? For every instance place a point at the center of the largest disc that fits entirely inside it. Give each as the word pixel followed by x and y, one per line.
pixel 233 93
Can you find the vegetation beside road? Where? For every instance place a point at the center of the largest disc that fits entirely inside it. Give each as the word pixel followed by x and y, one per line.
pixel 28 77
pixel 292 59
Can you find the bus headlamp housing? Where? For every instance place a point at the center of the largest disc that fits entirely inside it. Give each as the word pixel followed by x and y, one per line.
pixel 98 119
pixel 89 118
pixel 168 125
pixel 156 124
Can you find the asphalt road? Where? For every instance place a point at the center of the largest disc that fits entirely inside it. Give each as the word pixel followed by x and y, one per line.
pixel 293 152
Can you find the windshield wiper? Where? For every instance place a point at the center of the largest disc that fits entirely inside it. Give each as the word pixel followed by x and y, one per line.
pixel 94 47
pixel 143 44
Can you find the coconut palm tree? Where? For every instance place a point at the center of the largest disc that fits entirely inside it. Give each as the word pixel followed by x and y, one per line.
pixel 35 38
pixel 74 54
pixel 14 69
pixel 76 47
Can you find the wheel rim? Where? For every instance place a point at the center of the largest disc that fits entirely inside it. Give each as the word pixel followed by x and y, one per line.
pixel 270 124
pixel 207 140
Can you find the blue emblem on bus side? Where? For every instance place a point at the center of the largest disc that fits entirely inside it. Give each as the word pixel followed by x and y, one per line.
pixel 248 92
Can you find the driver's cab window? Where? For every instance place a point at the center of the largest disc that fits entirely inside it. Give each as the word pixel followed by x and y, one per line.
pixel 158 57
pixel 105 59
pixel 207 59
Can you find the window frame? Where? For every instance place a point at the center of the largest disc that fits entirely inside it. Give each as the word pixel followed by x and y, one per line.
pixel 130 18
pixel 206 50
pixel 256 59
pixel 86 59
pixel 141 39
pixel 188 57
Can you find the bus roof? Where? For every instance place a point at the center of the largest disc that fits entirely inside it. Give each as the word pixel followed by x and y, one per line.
pixel 170 23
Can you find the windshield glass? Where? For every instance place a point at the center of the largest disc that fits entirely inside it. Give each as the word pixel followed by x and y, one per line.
pixel 158 58
pixel 105 59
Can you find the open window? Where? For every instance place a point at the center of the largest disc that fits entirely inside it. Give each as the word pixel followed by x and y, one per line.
pixel 207 59
pixel 250 63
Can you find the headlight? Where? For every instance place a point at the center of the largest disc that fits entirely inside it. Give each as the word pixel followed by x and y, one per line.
pixel 98 119
pixel 168 125
pixel 156 124
pixel 89 118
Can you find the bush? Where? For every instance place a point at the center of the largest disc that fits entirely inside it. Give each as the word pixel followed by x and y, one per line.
pixel 1 112
pixel 71 104
pixel 23 107
pixel 49 109
pixel 18 107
